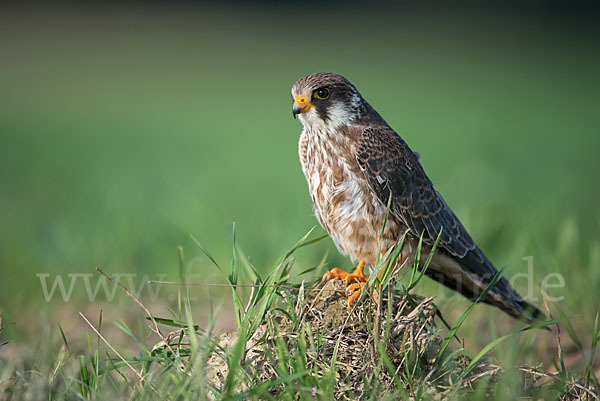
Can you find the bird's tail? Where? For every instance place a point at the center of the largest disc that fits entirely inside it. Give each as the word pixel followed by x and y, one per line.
pixel 471 276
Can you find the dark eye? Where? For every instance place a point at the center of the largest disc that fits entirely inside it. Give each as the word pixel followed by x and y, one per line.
pixel 322 93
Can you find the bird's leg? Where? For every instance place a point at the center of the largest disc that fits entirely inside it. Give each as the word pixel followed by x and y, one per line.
pixel 355 281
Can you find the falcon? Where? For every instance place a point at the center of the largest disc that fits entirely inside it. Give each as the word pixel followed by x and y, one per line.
pixel 354 163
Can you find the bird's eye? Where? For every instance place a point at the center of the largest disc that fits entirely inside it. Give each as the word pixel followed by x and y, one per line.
pixel 322 93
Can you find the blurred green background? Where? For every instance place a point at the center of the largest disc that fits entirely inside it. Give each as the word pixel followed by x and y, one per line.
pixel 124 128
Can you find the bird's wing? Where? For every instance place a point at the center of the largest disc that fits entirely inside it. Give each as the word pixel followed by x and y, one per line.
pixel 390 166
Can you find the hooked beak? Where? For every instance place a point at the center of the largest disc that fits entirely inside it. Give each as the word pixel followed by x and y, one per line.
pixel 301 105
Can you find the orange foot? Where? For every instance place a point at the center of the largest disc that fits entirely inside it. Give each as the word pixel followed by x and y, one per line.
pixel 355 281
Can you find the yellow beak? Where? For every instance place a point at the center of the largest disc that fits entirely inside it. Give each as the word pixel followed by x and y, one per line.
pixel 301 105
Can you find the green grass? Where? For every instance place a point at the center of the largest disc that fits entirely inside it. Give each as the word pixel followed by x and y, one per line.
pixel 124 130
pixel 176 369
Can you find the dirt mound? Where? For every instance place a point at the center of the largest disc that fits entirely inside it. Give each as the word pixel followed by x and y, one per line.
pixel 388 349
pixel 326 323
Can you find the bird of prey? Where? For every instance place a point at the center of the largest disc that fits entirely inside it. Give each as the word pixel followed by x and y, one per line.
pixel 354 162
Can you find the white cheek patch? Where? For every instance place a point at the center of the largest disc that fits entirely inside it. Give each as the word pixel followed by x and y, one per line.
pixel 338 116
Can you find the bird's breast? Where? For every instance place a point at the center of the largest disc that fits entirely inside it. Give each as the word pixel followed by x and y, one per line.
pixel 344 203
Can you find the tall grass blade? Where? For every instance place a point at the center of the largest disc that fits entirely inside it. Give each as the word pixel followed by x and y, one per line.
pixel 570 330
pixel 204 251
pixel 590 376
pixel 464 315
pixel 501 339
pixel 421 273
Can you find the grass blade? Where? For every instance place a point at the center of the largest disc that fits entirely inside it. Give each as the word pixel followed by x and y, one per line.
pixel 466 313
pixel 501 339
pixel 208 255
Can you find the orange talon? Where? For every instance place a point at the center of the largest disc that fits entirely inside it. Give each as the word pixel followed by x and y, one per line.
pixel 358 274
pixel 353 287
pixel 352 298
pixel 355 281
pixel 334 274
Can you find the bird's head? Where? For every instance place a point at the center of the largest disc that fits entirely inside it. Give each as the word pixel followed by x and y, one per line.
pixel 326 101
